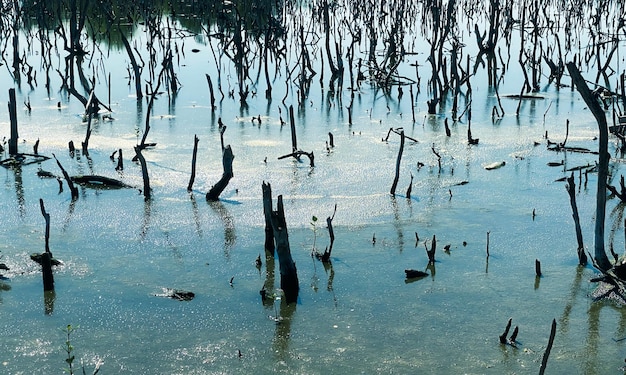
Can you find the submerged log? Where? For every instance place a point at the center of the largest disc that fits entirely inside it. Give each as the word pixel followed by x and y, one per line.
pixel 100 181
pixel 177 294
pixel 415 274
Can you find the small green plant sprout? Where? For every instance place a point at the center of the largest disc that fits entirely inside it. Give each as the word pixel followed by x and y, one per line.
pixel 69 349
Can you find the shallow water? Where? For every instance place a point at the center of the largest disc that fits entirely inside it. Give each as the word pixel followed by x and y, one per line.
pixel 359 315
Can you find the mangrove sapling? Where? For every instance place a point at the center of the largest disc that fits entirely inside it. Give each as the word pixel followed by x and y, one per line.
pixel 71 357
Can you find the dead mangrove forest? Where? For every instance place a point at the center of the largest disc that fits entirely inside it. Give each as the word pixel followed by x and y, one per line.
pixel 320 186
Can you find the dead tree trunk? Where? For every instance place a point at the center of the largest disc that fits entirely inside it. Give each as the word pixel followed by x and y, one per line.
pixel 292 123
pixel 603 164
pixel 85 144
pixel 13 118
pixel 46 257
pixel 193 163
pixel 395 180
pixel 67 177
pixel 227 162
pixel 331 233
pixel 571 190
pixel 144 172
pixel 267 213
pixel 288 273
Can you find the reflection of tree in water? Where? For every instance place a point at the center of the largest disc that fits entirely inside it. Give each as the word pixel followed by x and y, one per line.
pixel 196 216
pixel 19 188
pixel 617 219
pixel 283 330
pixel 230 235
pixel 49 297
pixel 147 211
pixel 4 287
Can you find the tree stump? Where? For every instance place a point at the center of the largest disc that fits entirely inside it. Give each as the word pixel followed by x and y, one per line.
pixel 288 272
pixel 227 163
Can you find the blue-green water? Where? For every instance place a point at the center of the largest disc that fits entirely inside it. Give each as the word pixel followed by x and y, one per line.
pixel 358 315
